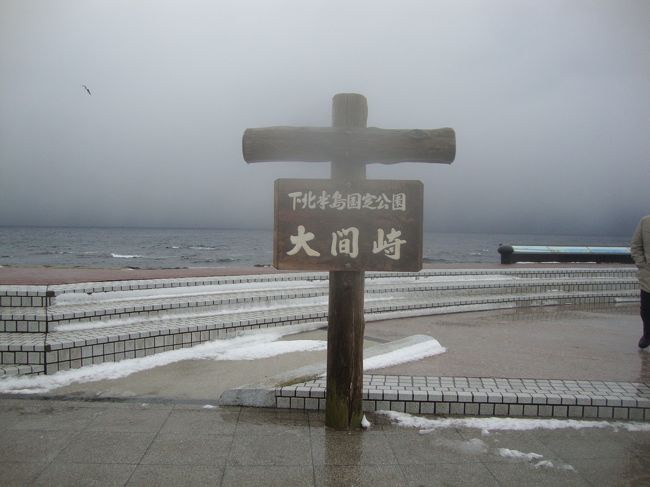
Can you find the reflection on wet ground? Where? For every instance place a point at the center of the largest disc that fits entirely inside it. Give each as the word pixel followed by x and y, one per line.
pixel 587 342
pixel 644 366
pixel 99 443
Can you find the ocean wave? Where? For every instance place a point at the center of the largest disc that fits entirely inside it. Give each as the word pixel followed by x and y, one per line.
pixel 136 256
pixel 430 260
pixel 126 256
pixel 222 260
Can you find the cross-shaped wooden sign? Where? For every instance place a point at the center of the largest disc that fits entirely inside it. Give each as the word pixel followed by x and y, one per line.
pixel 347 224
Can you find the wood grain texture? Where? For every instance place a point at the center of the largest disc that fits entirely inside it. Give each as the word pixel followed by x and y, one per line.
pixel 364 145
pixel 323 222
pixel 345 321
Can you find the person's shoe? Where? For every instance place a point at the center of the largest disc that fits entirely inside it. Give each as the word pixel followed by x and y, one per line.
pixel 644 342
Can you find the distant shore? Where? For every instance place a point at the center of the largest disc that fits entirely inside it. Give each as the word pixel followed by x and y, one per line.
pixel 51 275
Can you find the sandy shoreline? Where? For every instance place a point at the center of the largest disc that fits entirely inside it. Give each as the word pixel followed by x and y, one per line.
pixel 44 275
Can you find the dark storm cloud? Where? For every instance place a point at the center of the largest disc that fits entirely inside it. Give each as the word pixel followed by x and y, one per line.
pixel 548 99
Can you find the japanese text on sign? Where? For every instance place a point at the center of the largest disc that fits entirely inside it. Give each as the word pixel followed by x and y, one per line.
pixel 361 225
pixel 337 200
pixel 346 242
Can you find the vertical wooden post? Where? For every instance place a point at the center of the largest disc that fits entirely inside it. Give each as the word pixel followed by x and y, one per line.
pixel 346 324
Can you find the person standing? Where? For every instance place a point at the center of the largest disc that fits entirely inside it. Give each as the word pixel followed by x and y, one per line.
pixel 640 250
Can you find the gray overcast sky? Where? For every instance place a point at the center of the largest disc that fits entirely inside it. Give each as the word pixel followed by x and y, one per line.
pixel 549 99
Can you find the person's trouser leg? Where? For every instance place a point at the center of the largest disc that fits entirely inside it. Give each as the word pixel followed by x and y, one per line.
pixel 645 313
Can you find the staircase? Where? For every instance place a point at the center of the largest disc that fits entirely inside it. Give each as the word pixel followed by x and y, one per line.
pixel 44 329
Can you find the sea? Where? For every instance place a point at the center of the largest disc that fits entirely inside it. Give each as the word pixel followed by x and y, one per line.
pixel 147 248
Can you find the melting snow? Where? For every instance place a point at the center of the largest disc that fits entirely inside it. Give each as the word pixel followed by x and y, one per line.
pixel 427 425
pixel 519 455
pixel 261 344
pixel 411 353
pixel 171 292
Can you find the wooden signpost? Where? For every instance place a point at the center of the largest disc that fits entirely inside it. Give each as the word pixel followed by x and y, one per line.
pixel 328 225
pixel 347 224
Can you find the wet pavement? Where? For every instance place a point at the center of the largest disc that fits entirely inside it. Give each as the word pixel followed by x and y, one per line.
pixel 584 342
pixel 587 342
pixel 49 442
pixel 162 426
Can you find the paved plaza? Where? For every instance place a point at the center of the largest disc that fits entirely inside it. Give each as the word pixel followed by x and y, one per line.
pixel 156 427
pixel 502 369
pixel 48 442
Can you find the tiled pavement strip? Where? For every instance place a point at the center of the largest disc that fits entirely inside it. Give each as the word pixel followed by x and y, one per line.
pixel 109 443
pixel 422 293
pixel 475 396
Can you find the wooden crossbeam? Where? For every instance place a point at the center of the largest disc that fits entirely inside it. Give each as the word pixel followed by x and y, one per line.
pixel 363 145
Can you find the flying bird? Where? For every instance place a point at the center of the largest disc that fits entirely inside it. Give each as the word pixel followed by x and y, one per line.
pixel 86 88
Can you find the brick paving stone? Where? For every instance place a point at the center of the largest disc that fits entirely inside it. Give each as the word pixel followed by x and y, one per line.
pixel 505 400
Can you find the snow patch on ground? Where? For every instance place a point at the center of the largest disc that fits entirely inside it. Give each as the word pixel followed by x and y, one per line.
pixel 519 455
pixel 411 353
pixel 427 425
pixel 477 446
pixel 225 310
pixel 530 457
pixel 272 285
pixel 251 346
pixel 172 292
pixel 441 279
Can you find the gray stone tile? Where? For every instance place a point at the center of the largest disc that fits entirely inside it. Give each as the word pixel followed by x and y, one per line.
pixel 351 448
pixel 317 419
pixel 440 446
pixel 10 414
pixel 637 442
pixel 586 444
pixel 443 474
pixel 84 474
pixel 614 471
pixel 141 420
pixel 172 449
pixel 202 407
pixel 203 422
pixel 517 473
pixel 175 476
pixel 270 422
pixel 106 447
pixel 285 476
pixel 19 474
pixel 359 475
pixel 33 446
pixel 54 416
pixel 281 448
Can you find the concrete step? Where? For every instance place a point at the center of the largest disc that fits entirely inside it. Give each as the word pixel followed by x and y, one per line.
pixel 7 292
pixel 480 396
pixel 15 370
pixel 73 305
pixel 118 321
pixel 114 341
